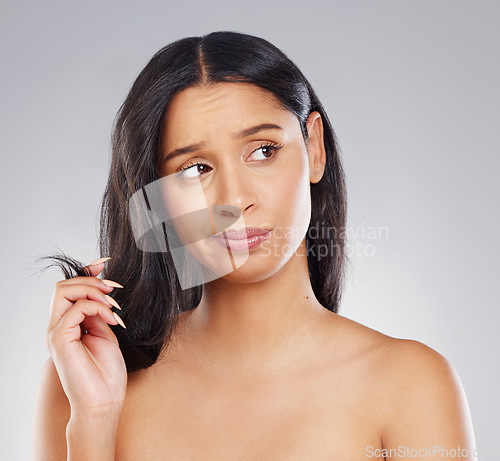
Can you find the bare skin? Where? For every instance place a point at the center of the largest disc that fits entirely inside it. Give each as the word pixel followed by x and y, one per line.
pixel 260 370
pixel 351 392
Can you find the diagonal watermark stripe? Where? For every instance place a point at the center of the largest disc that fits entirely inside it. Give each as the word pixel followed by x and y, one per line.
pixel 172 215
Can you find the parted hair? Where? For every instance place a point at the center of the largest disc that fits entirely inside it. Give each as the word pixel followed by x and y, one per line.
pixel 152 297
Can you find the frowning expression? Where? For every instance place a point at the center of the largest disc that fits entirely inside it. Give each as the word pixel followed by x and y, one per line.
pixel 243 150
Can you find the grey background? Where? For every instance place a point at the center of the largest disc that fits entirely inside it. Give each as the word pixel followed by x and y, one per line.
pixel 411 88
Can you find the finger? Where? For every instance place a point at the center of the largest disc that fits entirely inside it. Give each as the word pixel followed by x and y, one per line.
pixel 94 281
pixel 97 266
pixel 68 329
pixel 66 295
pixel 96 326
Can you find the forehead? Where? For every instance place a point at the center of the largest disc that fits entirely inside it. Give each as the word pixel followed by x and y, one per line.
pixel 201 111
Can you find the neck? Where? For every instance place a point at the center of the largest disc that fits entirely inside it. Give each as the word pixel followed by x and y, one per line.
pixel 258 324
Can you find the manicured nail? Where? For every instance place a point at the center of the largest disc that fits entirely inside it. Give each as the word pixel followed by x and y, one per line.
pixel 119 320
pixel 99 261
pixel 110 283
pixel 112 301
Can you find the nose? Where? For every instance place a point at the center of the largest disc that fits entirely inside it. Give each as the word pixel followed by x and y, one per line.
pixel 235 187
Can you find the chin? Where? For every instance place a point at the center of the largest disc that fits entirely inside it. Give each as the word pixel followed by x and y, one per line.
pixel 250 275
pixel 256 269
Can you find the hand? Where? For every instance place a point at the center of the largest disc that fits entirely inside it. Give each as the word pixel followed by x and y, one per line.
pixel 90 364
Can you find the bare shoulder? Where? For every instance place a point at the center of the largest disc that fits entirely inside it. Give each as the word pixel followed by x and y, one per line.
pixel 51 416
pixel 403 358
pixel 419 398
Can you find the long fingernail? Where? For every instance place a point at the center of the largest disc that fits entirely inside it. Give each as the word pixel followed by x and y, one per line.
pixel 119 320
pixel 110 283
pixel 99 261
pixel 112 301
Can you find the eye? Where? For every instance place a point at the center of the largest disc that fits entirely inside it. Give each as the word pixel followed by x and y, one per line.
pixel 189 171
pixel 195 170
pixel 268 151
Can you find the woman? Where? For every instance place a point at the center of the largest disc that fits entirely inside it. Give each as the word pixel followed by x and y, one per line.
pixel 250 360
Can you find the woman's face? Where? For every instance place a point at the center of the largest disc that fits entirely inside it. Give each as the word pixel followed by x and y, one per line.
pixel 231 149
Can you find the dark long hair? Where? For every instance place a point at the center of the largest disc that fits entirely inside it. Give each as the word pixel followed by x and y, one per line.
pixel 152 297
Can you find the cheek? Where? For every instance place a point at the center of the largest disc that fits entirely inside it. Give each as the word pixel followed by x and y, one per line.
pixel 186 209
pixel 291 197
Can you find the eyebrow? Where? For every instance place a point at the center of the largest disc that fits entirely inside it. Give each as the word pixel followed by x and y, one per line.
pixel 242 134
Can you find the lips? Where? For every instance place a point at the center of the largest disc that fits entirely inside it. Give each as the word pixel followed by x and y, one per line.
pixel 242 234
pixel 242 239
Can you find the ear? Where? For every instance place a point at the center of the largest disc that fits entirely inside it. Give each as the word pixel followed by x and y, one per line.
pixel 316 147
